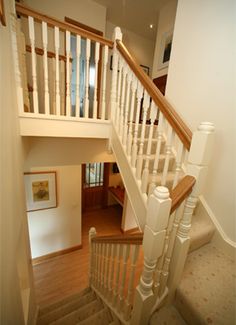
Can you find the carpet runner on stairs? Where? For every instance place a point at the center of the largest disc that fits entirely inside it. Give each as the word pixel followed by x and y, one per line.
pixel 84 308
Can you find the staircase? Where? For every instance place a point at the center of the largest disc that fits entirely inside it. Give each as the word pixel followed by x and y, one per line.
pixel 163 167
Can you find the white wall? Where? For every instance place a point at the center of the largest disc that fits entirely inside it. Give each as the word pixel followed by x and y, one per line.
pixel 87 12
pixel 201 86
pixel 56 229
pixel 128 216
pixel 166 22
pixel 16 271
pixel 140 47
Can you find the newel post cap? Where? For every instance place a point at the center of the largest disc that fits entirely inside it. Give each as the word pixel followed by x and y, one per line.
pixel 117 34
pixel 92 232
pixel 207 127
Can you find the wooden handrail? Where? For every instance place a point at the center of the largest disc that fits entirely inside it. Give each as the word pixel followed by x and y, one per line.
pixel 135 239
pixel 181 191
pixel 50 54
pixel 168 111
pixel 52 22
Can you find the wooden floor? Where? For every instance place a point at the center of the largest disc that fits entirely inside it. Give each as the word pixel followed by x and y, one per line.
pixel 68 274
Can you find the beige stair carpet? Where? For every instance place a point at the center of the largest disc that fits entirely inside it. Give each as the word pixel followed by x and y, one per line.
pixel 167 315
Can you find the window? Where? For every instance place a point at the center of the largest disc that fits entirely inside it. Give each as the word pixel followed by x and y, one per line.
pixel 94 174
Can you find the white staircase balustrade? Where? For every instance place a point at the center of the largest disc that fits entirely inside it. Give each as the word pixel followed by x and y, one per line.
pixel 68 75
pixel 104 78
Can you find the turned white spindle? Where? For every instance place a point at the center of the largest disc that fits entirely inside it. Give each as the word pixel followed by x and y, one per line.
pixel 118 99
pixel 170 137
pixel 145 175
pixel 134 86
pixel 57 80
pixel 117 275
pixel 92 234
pixel 86 100
pixel 136 127
pixel 45 67
pixel 122 101
pixel 126 250
pixel 104 78
pixel 127 106
pixel 157 154
pixel 146 103
pixel 107 269
pixel 178 162
pixel 158 210
pixel 95 95
pixel 96 265
pixel 111 276
pixel 33 61
pixel 68 75
pixel 198 162
pixel 99 265
pixel 134 257
pixel 78 51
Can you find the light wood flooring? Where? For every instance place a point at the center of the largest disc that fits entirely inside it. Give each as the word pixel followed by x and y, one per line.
pixel 68 274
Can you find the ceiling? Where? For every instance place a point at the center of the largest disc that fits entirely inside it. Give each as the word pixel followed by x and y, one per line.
pixel 135 15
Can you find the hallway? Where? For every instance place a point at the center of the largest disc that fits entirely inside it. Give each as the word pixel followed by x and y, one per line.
pixel 68 274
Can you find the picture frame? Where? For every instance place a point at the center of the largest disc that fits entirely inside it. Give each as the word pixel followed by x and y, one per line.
pixel 165 50
pixel 145 69
pixel 40 190
pixel 2 13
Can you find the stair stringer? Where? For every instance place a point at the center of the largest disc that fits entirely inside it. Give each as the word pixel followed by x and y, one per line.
pixel 137 199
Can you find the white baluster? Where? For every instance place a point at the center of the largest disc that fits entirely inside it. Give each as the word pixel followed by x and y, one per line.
pixel 57 45
pixel 157 154
pixel 34 70
pixel 95 96
pixel 92 234
pixel 159 205
pixel 68 75
pixel 78 51
pixel 170 137
pixel 111 277
pixel 117 276
pixel 134 86
pixel 134 257
pixel 145 175
pixel 135 145
pixel 96 265
pixel 99 265
pixel 107 268
pixel 86 100
pixel 45 68
pixel 104 75
pixel 118 99
pixel 126 251
pixel 122 101
pixel 127 106
pixel 178 161
pixel 198 162
pixel 146 103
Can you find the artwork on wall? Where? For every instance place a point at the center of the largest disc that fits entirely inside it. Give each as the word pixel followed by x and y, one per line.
pixel 41 191
pixel 165 50
pixel 145 69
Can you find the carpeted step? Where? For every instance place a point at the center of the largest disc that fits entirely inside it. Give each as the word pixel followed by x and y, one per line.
pixel 102 317
pixel 201 232
pixel 81 314
pixel 66 308
pixel 153 146
pixel 167 315
pixel 207 292
pixel 62 302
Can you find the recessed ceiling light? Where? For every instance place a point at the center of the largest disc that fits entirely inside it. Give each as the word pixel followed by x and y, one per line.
pixel 151 25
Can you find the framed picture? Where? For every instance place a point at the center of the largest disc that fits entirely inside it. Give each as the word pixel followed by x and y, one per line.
pixel 2 14
pixel 41 190
pixel 145 69
pixel 165 50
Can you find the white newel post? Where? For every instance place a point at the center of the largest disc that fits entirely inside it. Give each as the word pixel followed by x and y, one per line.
pixel 198 161
pixel 158 212
pixel 92 234
pixel 117 35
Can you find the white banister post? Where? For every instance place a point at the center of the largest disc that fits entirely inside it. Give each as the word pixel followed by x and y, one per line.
pixel 117 35
pixel 92 234
pixel 198 161
pixel 158 212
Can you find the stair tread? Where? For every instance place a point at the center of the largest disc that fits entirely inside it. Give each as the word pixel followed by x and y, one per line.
pixel 66 308
pixel 61 302
pixel 81 314
pixel 102 317
pixel 207 292
pixel 167 315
